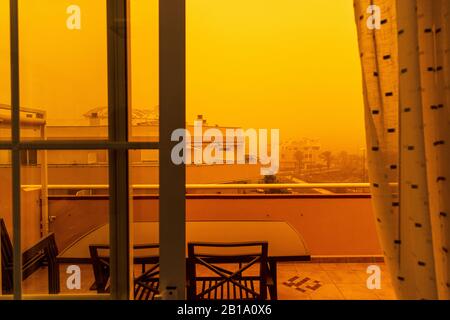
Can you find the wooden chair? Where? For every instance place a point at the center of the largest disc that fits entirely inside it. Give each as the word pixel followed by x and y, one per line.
pixel 42 254
pixel 229 275
pixel 100 267
pixel 146 285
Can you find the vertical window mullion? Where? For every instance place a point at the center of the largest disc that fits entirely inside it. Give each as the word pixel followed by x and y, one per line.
pixel 117 11
pixel 172 115
pixel 15 127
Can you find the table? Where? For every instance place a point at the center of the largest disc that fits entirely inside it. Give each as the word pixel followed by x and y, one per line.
pixel 285 243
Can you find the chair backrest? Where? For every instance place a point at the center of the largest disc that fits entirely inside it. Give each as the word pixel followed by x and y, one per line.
pixel 145 285
pixel 7 259
pixel 44 252
pixel 100 267
pixel 231 271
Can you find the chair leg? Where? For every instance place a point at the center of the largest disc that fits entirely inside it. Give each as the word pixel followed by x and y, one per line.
pixel 54 269
pixel 273 272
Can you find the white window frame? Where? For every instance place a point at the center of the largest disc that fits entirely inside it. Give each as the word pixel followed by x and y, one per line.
pixel 172 178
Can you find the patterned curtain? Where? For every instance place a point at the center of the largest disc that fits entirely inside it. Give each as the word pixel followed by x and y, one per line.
pixel 404 49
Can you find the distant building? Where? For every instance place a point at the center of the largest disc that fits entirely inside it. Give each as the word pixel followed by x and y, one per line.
pixel 139 117
pixel 78 166
pixel 297 155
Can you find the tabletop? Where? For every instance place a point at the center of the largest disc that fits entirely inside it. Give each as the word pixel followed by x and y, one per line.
pixel 285 243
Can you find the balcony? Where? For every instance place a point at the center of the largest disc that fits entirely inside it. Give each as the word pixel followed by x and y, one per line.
pixel 338 228
pixel 333 225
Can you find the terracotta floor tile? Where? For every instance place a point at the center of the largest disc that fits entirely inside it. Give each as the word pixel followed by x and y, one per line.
pixel 327 292
pixel 345 277
pixel 358 266
pixel 357 292
pixel 287 267
pixel 285 293
pixel 386 292
pixel 338 281
pixel 283 275
pixel 321 276
pixel 362 274
pixel 306 267
pixel 333 266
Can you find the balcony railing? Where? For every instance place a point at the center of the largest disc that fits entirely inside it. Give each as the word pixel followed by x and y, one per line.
pixel 213 186
pixel 333 224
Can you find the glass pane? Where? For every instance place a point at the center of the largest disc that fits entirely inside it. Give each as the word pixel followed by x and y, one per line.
pixel 65 201
pixel 144 72
pixel 293 66
pixel 6 223
pixel 144 218
pixel 271 66
pixel 5 71
pixel 63 69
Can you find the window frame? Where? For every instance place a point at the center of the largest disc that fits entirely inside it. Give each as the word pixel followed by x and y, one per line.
pixel 172 177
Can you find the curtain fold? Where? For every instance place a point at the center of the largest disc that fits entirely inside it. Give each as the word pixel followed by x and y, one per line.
pixel 405 66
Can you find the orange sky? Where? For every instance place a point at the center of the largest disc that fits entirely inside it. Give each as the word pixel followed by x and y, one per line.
pixel 287 64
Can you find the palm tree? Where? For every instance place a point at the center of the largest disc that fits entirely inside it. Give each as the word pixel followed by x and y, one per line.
pixel 299 157
pixel 327 157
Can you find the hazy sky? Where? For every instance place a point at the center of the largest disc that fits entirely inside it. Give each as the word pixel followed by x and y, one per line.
pixel 287 64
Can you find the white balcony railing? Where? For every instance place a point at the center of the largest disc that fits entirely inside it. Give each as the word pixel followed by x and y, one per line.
pixel 211 186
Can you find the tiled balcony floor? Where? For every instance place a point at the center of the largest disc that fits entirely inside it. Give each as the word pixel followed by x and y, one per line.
pixel 296 281
pixel 335 281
